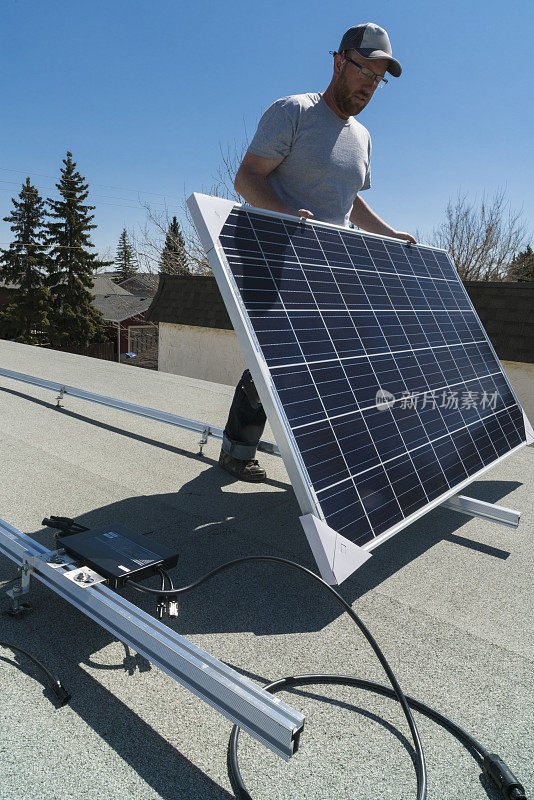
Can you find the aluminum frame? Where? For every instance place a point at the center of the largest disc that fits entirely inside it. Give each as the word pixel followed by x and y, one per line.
pixel 263 716
pixel 336 556
pixel 479 508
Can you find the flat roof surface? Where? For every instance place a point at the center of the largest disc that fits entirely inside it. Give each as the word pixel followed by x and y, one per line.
pixel 449 599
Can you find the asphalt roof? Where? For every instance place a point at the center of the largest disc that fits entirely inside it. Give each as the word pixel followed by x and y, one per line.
pixel 103 284
pixel 449 599
pixel 118 307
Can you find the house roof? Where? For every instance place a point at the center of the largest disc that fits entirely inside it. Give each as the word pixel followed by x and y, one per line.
pixel 506 310
pixel 8 284
pixel 189 300
pixel 448 597
pixel 118 307
pixel 104 284
pixel 144 282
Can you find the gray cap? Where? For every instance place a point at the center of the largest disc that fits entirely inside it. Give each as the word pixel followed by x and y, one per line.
pixel 370 41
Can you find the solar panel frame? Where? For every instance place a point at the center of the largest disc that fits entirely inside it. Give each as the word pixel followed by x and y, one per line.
pixel 210 215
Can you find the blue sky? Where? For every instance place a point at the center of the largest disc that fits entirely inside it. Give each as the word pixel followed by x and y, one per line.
pixel 142 93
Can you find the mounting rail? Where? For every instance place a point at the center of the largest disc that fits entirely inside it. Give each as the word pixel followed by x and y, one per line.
pixel 132 408
pixel 467 505
pixel 265 717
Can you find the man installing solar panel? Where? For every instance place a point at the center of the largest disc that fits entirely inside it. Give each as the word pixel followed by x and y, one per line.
pixel 309 157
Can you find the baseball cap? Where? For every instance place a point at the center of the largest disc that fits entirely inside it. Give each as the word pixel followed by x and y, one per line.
pixel 371 41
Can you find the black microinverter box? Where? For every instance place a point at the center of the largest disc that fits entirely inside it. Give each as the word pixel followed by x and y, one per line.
pixel 117 553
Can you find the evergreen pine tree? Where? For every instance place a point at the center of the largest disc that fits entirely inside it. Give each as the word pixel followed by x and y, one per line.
pixel 521 267
pixel 73 318
pixel 24 263
pixel 174 256
pixel 125 260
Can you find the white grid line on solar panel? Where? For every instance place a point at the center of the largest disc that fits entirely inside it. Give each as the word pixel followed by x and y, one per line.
pixel 444 377
pixel 405 399
pixel 383 505
pixel 390 460
pixel 399 433
pixel 267 217
pixel 356 239
pixel 324 409
pixel 277 261
pixel 346 377
pixel 370 355
pixel 393 492
pixel 240 257
pixel 417 254
pixel 396 425
pixel 400 456
pixel 375 387
pixel 350 284
pixel 278 287
pixel 484 458
pixel 449 382
pixel 357 251
pixel 370 264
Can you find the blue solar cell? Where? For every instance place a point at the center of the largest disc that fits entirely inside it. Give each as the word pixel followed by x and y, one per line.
pixel 341 318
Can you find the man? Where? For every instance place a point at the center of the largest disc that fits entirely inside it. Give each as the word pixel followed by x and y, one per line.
pixel 310 158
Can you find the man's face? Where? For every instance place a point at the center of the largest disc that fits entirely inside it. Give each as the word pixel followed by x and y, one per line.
pixel 352 90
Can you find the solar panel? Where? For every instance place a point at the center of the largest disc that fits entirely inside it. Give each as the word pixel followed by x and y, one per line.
pixel 379 381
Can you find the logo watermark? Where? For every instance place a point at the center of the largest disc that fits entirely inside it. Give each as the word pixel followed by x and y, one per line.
pixel 447 399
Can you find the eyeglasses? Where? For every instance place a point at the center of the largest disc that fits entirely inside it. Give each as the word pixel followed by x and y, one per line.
pixel 378 80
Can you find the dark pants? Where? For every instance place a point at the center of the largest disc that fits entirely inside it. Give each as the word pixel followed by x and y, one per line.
pixel 246 421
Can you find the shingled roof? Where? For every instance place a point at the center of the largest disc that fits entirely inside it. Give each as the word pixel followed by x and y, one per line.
pixel 118 307
pixel 103 284
pixel 189 300
pixel 506 310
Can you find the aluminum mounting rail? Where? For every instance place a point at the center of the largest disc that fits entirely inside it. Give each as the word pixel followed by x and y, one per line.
pixel 132 408
pixel 265 717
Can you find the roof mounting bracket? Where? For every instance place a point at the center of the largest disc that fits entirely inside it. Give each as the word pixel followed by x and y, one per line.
pixel 479 508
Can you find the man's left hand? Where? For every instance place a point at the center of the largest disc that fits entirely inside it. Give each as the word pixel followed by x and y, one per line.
pixel 406 236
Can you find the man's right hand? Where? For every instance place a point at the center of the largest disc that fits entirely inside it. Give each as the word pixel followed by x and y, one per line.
pixel 303 213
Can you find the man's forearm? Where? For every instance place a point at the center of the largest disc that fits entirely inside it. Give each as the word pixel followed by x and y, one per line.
pixel 257 192
pixel 365 218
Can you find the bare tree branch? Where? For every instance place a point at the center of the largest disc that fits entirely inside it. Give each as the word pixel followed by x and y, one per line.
pixel 481 238
pixel 150 240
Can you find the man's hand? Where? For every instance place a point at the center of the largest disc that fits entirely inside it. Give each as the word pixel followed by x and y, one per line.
pixel 406 236
pixel 303 213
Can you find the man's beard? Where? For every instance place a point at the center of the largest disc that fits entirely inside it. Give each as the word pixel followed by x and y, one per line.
pixel 345 101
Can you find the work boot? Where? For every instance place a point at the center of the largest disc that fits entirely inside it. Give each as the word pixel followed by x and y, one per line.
pixel 243 470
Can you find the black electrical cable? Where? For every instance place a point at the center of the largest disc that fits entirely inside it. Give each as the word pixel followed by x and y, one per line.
pixel 420 766
pixel 55 684
pixel 494 767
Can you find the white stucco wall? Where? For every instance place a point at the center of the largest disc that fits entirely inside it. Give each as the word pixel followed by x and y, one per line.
pixel 521 376
pixel 210 354
pixel 214 355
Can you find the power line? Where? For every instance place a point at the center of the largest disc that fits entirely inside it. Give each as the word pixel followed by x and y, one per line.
pixel 48 246
pixel 102 185
pixel 72 192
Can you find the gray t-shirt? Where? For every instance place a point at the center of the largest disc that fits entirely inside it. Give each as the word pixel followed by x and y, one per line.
pixel 327 160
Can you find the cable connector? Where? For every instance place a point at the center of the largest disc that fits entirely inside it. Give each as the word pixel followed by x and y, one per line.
pixel 172 608
pixel 62 695
pixel 503 776
pixel 161 609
